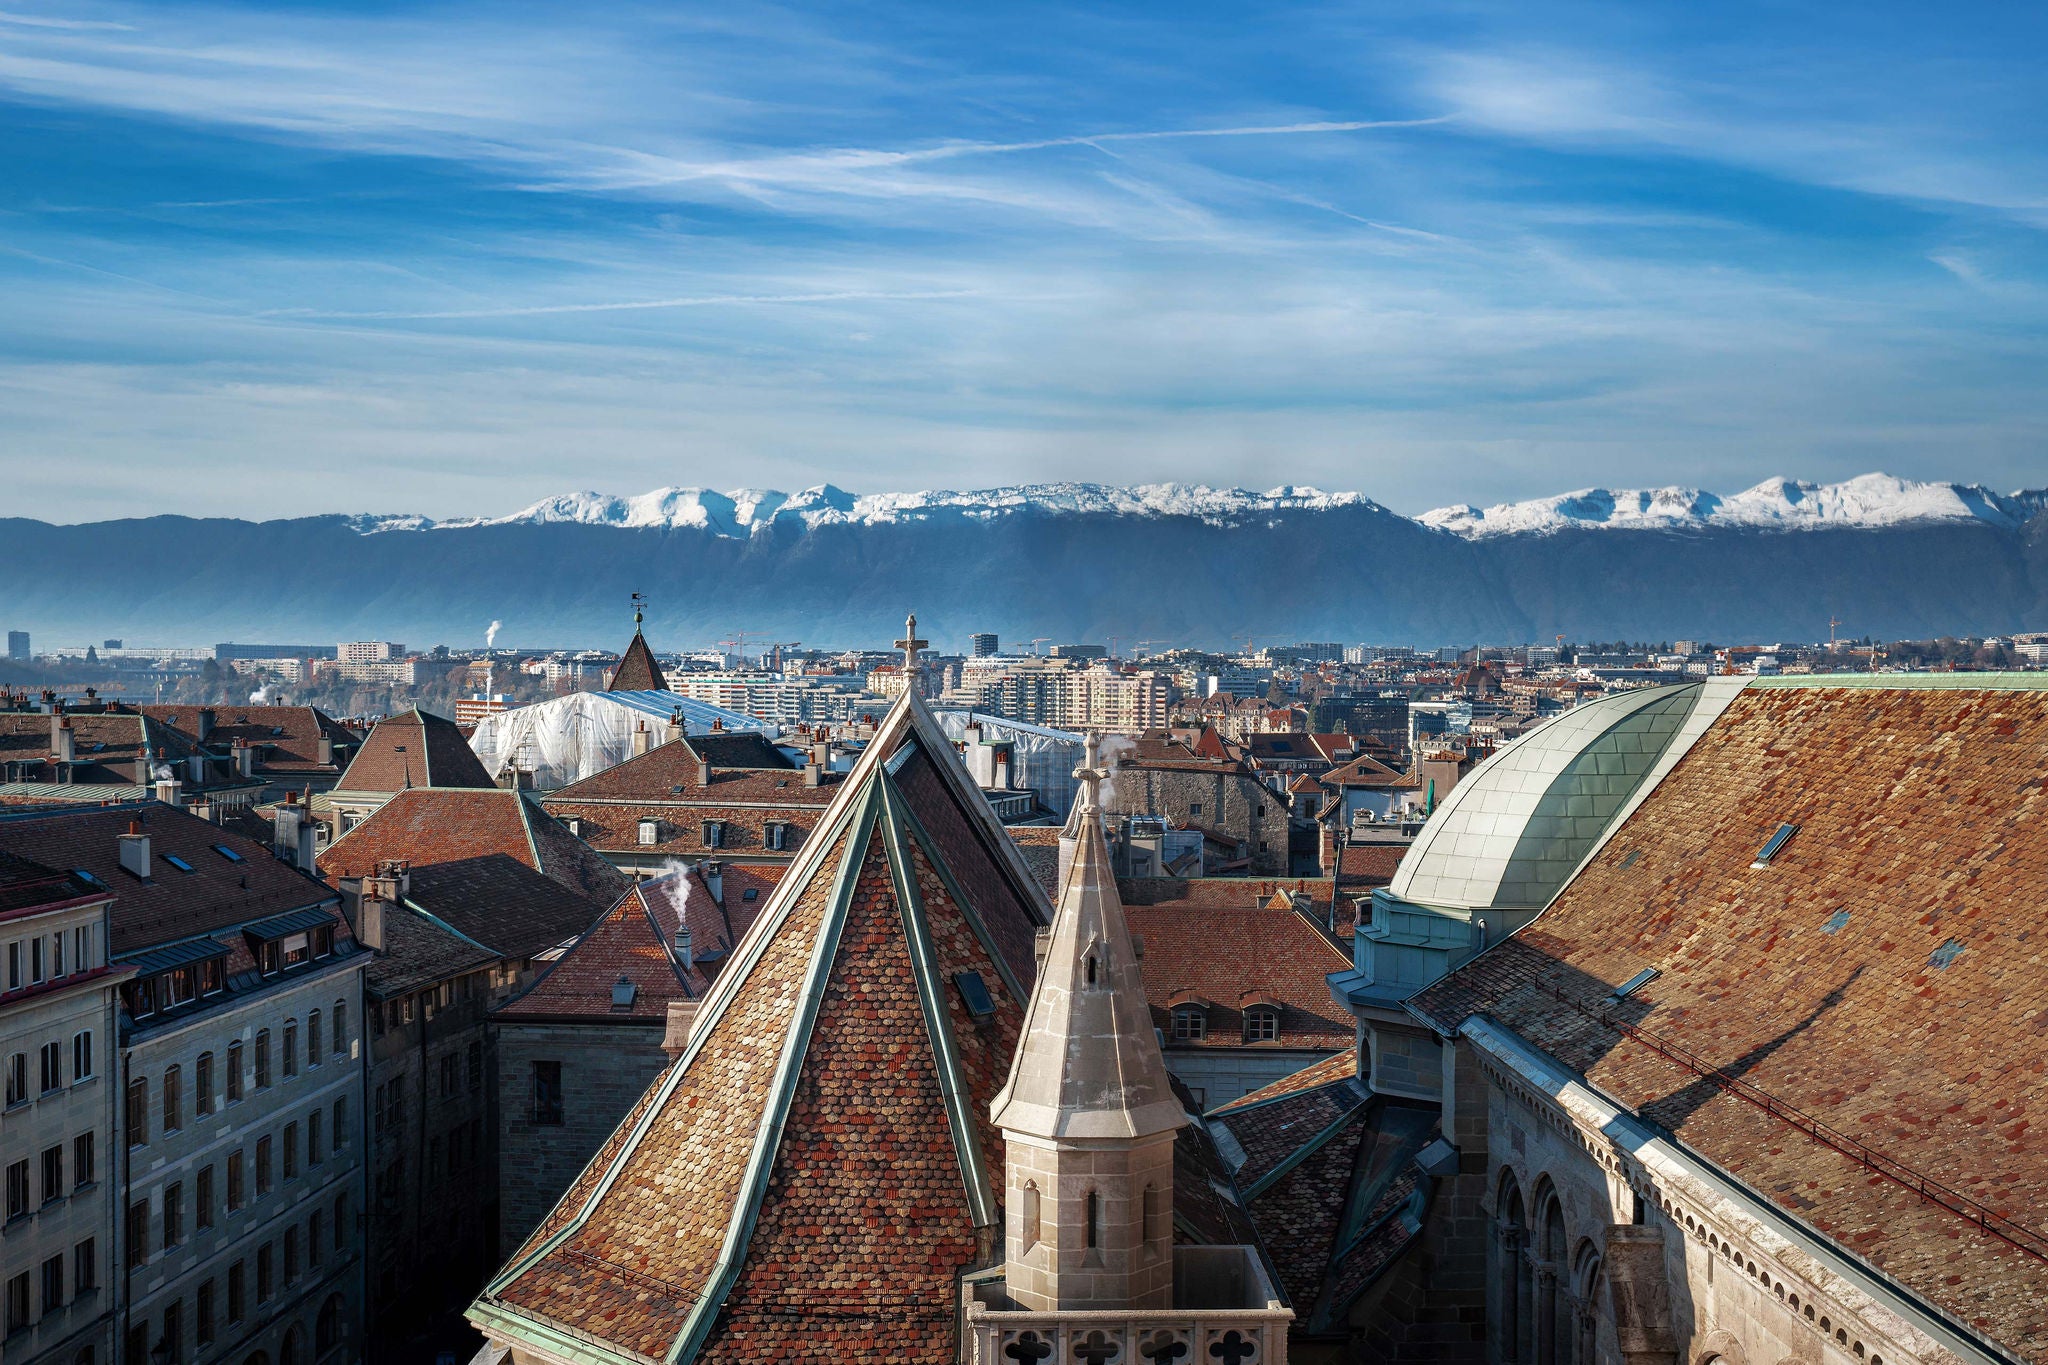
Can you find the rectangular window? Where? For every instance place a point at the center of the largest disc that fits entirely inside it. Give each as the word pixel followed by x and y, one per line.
pixel 52 1058
pixel 313 1038
pixel 53 1279
pixel 53 1173
pixel 313 1127
pixel 35 959
pixel 82 1163
pixel 263 1167
pixel 17 1189
pixel 81 956
pixel 547 1092
pixel 57 954
pixel 448 1082
pixel 341 1123
pixel 85 1267
pixel 234 1076
pixel 81 1056
pixel 291 1255
pixel 291 1048
pixel 202 1316
pixel 266 1274
pixel 174 1099
pixel 237 1196
pixel 340 1027
pixel 340 1221
pixel 202 1085
pixel 138 1234
pixel 291 1150
pixel 14 965
pixel 238 1294
pixel 296 949
pixel 174 1214
pixel 138 1112
pixel 138 1341
pixel 202 1202
pixel 17 1078
pixel 174 1332
pixel 314 1246
pixel 263 1059
pixel 476 1068
pixel 18 1316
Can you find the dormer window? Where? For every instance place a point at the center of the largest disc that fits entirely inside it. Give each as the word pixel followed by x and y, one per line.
pixel 714 834
pixel 650 832
pixel 574 824
pixel 1261 1024
pixel 1190 1023
pixel 778 835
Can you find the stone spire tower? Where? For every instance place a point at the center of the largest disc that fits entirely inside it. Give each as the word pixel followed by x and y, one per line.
pixel 1088 1115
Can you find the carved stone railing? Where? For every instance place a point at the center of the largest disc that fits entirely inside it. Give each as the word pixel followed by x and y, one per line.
pixel 1225 1312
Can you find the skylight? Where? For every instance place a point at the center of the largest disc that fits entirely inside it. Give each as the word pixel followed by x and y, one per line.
pixel 974 994
pixel 1636 982
pixel 175 861
pixel 224 851
pixel 1773 844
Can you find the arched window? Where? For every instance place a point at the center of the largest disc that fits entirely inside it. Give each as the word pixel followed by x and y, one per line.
pixel 1512 1281
pixel 1261 1024
pixel 1553 1306
pixel 1190 1023
pixel 1588 1281
pixel 327 1332
pixel 288 1353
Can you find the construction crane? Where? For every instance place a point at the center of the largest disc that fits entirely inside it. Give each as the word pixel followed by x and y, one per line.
pixel 1112 645
pixel 1038 640
pixel 738 644
pixel 1143 644
pixel 776 653
pixel 1832 623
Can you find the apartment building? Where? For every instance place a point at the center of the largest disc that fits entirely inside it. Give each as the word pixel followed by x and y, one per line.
pixel 57 1129
pixel 237 1156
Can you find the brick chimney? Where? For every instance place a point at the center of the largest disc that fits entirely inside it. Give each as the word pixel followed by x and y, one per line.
pixel 640 739
pixel 63 742
pixel 384 888
pixel 135 851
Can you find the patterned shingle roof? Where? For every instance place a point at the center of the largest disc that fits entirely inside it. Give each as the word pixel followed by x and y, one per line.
pixel 633 941
pixel 431 826
pixel 1882 973
pixel 809 1178
pixel 287 738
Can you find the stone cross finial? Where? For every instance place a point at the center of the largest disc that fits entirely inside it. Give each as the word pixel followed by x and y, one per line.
pixel 910 644
pixel 1091 771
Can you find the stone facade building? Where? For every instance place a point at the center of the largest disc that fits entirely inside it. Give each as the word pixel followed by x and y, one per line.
pixel 1199 783
pixel 57 1131
pixel 237 1161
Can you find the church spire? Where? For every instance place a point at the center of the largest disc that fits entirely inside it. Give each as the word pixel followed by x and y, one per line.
pixel 637 671
pixel 1088 1115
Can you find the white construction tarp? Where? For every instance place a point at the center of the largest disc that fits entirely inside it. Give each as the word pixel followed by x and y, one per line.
pixel 570 738
pixel 1043 759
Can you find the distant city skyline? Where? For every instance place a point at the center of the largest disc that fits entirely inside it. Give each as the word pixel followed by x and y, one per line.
pixel 270 261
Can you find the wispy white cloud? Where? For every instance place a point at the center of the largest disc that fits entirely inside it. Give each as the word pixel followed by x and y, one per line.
pixel 633 306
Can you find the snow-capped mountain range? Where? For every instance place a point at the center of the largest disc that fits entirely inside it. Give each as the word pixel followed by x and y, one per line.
pixel 1869 501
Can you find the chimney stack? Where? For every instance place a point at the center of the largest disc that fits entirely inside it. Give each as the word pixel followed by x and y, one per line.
pixel 206 719
pixel 245 759
pixel 714 878
pixel 684 956
pixel 135 851
pixel 675 724
pixel 63 741
pixel 387 886
pixel 204 808
pixel 682 1015
pixel 170 791
pixel 325 750
pixel 821 753
pixel 812 776
pixel 640 739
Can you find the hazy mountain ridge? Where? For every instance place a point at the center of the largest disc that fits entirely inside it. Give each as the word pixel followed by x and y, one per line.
pixel 1167 564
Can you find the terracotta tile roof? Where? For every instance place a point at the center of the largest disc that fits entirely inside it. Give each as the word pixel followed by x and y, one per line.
pixel 864 1213
pixel 440 827
pixel 413 749
pixel 637 670
pixel 218 893
pixel 655 775
pixel 1336 1067
pixel 634 940
pixel 1368 865
pixel 615 828
pixel 1236 956
pixel 1367 771
pixel 287 738
pixel 1881 974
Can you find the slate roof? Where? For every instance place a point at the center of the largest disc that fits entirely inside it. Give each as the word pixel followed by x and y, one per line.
pixel 1330 1179
pixel 768 1199
pixel 637 671
pixel 654 775
pixel 287 738
pixel 413 749
pixel 1039 846
pixel 218 893
pixel 1882 974
pixel 1234 956
pixel 634 940
pixel 27 885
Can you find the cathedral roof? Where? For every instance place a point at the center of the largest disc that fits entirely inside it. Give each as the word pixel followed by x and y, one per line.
pixel 809 1177
pixel 637 671
pixel 1850 1026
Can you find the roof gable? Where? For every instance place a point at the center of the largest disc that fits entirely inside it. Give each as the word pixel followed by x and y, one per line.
pixel 414 749
pixel 695 1233
pixel 430 827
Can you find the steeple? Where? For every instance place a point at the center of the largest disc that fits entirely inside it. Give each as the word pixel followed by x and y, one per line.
pixel 637 671
pixel 1088 1115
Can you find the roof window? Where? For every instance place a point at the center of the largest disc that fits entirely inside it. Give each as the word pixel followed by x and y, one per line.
pixel 224 851
pixel 974 994
pixel 623 991
pixel 1635 983
pixel 175 861
pixel 1772 845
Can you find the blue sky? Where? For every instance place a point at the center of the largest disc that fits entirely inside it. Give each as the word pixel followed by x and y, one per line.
pixel 266 260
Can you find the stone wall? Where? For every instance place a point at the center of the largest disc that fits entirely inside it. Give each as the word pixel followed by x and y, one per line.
pixel 1233 803
pixel 605 1068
